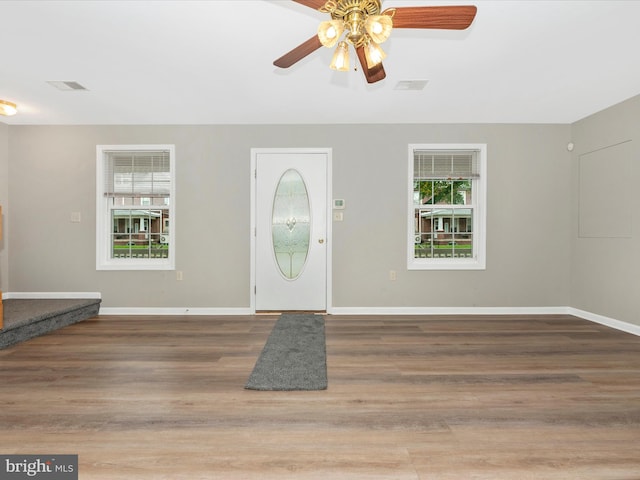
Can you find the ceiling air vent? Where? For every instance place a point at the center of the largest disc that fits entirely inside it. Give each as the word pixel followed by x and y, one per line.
pixel 411 85
pixel 66 86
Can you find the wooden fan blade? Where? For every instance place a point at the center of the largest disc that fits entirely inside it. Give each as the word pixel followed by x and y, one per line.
pixel 315 4
pixel 298 53
pixel 374 74
pixel 455 17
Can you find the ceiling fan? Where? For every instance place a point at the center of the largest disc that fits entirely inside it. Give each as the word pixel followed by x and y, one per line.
pixel 366 26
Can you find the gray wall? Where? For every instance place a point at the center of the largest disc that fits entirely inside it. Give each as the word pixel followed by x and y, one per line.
pixel 4 201
pixel 605 260
pixel 52 172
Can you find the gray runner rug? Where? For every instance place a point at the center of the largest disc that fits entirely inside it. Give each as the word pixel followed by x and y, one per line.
pixel 294 357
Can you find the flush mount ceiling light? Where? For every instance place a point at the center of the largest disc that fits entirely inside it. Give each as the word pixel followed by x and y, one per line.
pixel 365 26
pixel 8 108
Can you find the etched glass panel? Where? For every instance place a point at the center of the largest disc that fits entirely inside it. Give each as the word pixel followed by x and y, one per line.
pixel 291 224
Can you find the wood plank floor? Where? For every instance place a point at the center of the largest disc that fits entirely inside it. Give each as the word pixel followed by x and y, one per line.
pixel 410 397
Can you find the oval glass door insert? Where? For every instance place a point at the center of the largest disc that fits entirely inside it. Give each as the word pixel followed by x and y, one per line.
pixel 291 224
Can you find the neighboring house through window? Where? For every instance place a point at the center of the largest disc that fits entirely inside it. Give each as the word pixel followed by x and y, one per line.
pixel 447 207
pixel 135 207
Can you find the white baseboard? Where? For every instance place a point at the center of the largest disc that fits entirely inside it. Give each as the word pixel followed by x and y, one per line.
pixel 448 310
pixel 609 322
pixel 174 311
pixel 593 317
pixel 606 321
pixel 47 295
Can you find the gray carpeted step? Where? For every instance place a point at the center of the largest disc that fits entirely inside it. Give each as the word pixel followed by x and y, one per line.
pixel 29 318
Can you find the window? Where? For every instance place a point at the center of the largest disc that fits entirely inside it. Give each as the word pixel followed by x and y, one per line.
pixel 447 214
pixel 135 206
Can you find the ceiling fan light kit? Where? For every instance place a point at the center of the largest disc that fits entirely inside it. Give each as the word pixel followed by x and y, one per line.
pixel 365 26
pixel 329 32
pixel 379 26
pixel 340 59
pixel 374 54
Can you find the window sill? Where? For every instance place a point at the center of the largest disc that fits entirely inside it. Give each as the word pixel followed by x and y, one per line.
pixel 445 264
pixel 135 265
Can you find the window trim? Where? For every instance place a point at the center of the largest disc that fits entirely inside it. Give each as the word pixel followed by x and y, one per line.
pixel 103 220
pixel 478 261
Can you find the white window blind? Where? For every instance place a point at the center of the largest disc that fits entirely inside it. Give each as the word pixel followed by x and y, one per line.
pixel 429 164
pixel 137 174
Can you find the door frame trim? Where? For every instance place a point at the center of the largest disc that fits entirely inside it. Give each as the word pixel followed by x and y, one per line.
pixel 253 220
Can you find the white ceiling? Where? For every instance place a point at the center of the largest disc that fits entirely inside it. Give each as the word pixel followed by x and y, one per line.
pixel 210 62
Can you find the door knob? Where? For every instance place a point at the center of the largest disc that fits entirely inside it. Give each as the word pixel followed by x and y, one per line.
pixel 321 240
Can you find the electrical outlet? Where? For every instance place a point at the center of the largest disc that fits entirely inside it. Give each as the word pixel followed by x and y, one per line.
pixel 392 275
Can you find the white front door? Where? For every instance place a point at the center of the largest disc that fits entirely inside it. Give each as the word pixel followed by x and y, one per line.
pixel 291 229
